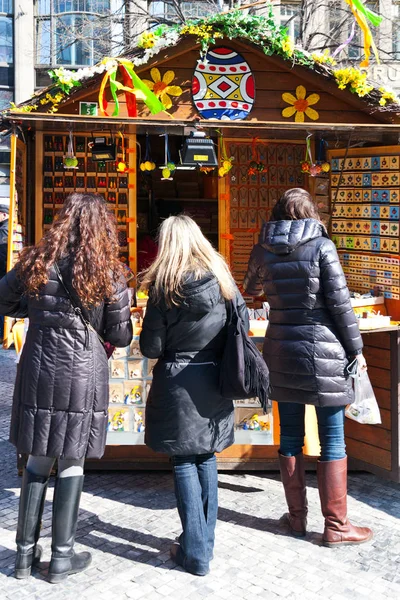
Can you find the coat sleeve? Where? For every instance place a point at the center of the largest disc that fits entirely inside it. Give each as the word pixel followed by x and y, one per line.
pixel 12 299
pixel 242 310
pixel 118 328
pixel 252 282
pixel 154 331
pixel 337 299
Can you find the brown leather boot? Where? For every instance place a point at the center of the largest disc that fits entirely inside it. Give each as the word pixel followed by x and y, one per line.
pixel 332 486
pixel 294 483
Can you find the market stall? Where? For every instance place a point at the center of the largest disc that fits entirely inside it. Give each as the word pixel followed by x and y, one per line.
pixel 270 112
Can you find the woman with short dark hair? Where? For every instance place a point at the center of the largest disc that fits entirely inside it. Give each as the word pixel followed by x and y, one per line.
pixel 71 286
pixel 311 338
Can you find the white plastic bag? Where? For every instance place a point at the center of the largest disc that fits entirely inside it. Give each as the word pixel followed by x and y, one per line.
pixel 365 408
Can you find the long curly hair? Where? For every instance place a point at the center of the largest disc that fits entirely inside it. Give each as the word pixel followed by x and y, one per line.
pixel 85 231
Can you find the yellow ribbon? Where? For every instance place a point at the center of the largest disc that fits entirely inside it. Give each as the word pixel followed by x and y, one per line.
pixel 361 17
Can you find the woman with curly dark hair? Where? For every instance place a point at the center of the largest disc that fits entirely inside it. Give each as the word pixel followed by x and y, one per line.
pixel 72 288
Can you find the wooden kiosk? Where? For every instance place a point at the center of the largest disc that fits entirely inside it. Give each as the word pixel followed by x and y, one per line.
pixel 281 98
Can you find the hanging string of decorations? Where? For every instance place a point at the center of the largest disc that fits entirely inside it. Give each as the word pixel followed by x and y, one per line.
pixel 225 160
pixel 148 164
pixel 320 165
pixel 255 166
pixel 70 161
pixel 169 167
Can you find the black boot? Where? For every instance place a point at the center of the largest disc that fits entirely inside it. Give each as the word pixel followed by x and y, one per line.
pixel 31 503
pixel 64 561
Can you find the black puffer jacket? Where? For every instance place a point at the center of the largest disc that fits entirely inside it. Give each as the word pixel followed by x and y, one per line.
pixel 312 328
pixel 61 391
pixel 185 413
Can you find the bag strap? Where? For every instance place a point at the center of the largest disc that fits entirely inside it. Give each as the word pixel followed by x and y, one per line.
pixel 75 306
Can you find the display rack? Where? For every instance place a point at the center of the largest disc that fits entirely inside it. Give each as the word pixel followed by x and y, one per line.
pixel 252 196
pixel 88 176
pixel 365 195
pixel 130 380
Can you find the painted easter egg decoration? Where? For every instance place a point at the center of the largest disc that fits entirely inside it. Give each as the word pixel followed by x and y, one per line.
pixel 223 85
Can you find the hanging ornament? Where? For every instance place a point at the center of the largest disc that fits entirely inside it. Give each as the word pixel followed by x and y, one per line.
pixel 147 165
pixel 226 162
pixel 255 166
pixel 70 161
pixel 169 167
pixel 320 156
pixel 308 165
pixel 122 167
pixel 132 85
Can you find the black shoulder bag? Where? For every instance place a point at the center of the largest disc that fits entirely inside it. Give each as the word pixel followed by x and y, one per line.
pixel 244 373
pixel 108 348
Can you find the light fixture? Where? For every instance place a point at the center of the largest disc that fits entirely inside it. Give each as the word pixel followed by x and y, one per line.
pixel 199 150
pixel 101 150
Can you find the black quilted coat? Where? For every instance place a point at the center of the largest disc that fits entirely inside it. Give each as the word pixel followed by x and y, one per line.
pixel 185 413
pixel 312 329
pixel 61 391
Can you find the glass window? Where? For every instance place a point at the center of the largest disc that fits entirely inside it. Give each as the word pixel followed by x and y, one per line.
pixel 191 10
pixel 290 18
pixel 6 40
pixel 80 40
pixel 6 6
pixel 396 32
pixel 6 96
pixel 43 42
pixel 81 36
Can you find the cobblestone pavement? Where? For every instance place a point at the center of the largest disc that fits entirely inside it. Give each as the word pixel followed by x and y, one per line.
pixel 128 521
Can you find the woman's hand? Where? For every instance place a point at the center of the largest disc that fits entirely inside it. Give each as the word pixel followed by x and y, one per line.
pixel 361 362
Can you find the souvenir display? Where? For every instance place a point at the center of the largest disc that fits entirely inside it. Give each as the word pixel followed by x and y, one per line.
pixel 260 174
pixel 365 194
pixel 130 380
pixel 76 171
pixel 223 85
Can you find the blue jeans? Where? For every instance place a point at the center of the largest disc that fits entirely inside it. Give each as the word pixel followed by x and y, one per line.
pixel 196 490
pixel 330 430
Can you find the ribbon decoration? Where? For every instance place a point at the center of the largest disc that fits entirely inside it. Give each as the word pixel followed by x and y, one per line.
pixel 347 42
pixel 362 15
pixel 132 85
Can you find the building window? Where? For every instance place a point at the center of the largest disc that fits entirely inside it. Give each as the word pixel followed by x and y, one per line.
pixel 291 18
pixel 6 96
pixel 396 31
pixel 6 6
pixel 6 40
pixel 76 32
pixel 165 11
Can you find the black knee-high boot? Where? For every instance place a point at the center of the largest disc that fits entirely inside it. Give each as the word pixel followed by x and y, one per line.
pixel 64 561
pixel 31 504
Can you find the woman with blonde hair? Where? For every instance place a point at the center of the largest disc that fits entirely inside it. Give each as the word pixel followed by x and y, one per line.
pixel 186 417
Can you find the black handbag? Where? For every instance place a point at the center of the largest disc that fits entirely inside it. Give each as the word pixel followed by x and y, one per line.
pixel 244 373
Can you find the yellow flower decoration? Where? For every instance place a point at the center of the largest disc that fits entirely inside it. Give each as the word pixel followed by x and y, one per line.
pixel 288 46
pixel 161 88
pixel 147 40
pixel 300 105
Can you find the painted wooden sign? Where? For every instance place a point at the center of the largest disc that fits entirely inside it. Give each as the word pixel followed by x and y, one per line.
pixel 223 85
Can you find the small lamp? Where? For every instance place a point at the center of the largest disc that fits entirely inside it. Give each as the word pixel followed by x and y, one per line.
pixel 199 150
pixel 101 150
